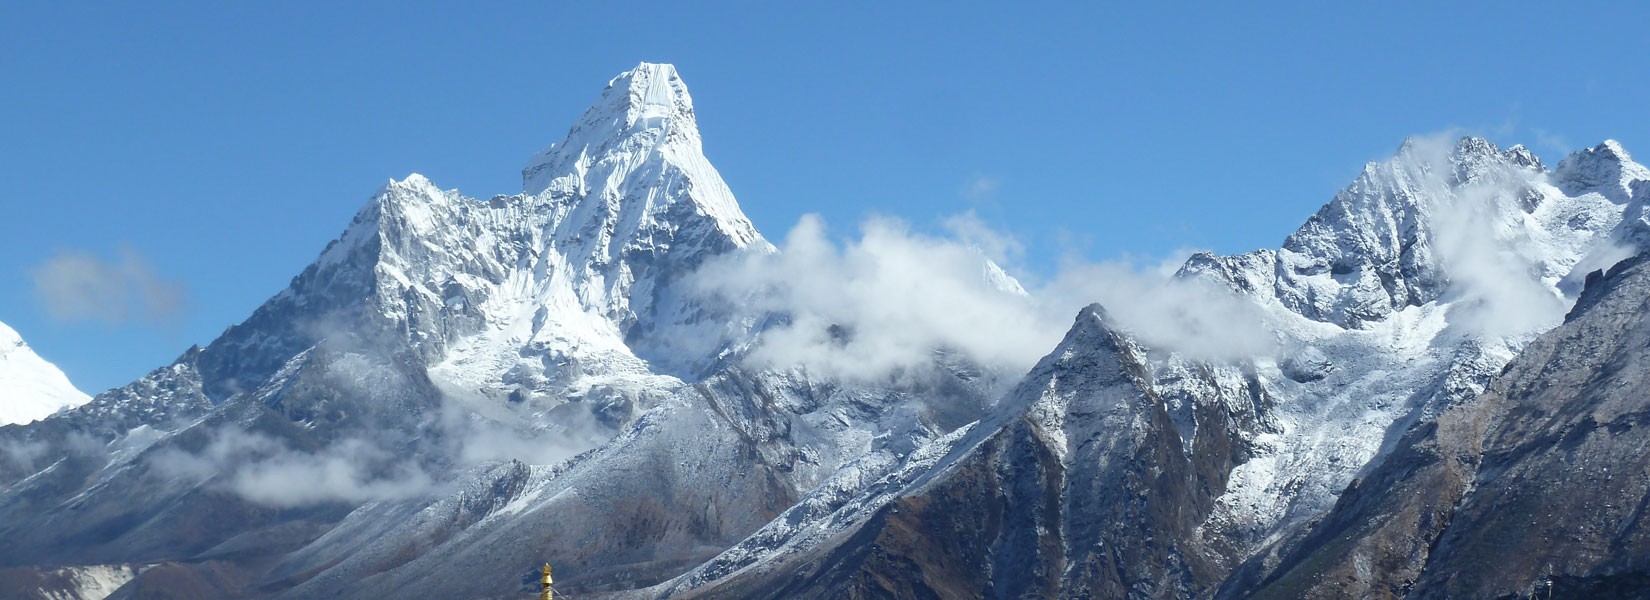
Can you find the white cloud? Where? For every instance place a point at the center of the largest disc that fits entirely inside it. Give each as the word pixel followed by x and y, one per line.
pixel 979 188
pixel 1189 316
pixel 80 286
pixel 487 431
pixel 23 456
pixel 968 228
pixel 265 471
pixel 1495 268
pixel 351 471
pixel 874 305
pixel 1499 284
pixel 871 307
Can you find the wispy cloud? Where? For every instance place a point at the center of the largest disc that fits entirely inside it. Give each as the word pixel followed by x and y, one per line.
pixel 1552 141
pixel 266 471
pixel 970 229
pixel 78 285
pixel 1480 240
pixel 979 187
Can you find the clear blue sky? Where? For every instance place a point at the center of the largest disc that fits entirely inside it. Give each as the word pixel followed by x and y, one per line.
pixel 226 143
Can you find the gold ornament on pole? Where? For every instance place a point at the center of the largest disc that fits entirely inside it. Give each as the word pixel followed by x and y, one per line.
pixel 547 594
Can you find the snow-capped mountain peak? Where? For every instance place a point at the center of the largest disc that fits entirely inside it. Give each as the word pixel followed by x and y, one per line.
pixel 579 271
pixel 634 159
pixel 1390 238
pixel 1606 169
pixel 578 274
pixel 1519 155
pixel 646 105
pixel 30 387
pixel 641 134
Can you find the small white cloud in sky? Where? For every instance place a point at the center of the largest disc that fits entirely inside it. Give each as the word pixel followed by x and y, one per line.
pixel 979 187
pixel 77 285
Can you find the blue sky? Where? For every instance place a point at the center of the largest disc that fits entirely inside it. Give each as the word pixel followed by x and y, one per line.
pixel 215 148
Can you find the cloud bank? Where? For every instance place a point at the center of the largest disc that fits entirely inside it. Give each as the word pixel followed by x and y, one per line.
pixel 872 307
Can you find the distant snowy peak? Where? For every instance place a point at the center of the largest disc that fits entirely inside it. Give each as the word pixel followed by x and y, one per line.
pixel 30 387
pixel 1375 248
pixel 9 339
pixel 1605 169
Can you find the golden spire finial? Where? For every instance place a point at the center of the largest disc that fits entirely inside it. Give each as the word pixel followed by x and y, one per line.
pixel 547 594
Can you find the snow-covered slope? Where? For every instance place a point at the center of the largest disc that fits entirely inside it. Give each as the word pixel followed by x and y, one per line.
pixel 30 387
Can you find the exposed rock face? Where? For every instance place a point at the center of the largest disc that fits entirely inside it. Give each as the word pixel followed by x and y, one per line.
pixel 1088 490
